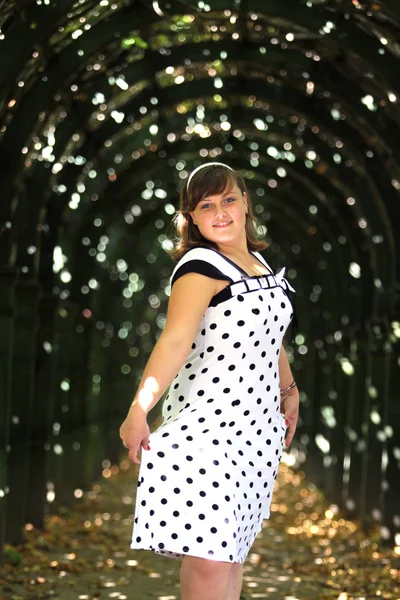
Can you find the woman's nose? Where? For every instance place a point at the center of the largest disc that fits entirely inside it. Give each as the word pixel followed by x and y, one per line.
pixel 220 210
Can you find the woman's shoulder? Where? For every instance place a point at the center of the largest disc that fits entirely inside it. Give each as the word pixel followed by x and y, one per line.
pixel 205 261
pixel 196 253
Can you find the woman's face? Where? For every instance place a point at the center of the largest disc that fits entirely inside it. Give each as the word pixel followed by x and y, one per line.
pixel 221 218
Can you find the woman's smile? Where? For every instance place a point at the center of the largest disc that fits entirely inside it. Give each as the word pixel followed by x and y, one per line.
pixel 223 225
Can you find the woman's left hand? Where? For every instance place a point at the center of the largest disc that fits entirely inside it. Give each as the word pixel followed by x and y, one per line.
pixel 290 409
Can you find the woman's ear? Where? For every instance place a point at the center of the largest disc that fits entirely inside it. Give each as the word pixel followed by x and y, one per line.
pixel 192 217
pixel 246 206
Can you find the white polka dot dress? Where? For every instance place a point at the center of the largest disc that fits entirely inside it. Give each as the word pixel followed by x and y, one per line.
pixel 205 486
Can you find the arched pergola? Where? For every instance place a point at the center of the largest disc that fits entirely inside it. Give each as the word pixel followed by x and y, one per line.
pixel 106 106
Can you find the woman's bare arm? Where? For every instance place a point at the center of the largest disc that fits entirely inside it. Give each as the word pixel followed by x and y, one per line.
pixel 289 402
pixel 285 372
pixel 190 297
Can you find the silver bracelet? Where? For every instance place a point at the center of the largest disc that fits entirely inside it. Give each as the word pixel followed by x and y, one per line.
pixel 291 386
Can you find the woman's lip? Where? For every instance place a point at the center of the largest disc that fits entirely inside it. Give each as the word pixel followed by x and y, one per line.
pixel 225 225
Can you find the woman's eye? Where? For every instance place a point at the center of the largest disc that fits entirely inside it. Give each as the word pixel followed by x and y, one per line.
pixel 230 199
pixel 205 206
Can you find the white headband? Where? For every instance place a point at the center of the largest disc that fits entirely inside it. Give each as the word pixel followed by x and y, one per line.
pixel 202 167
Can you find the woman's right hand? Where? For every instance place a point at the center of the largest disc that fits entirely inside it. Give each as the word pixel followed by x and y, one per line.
pixel 134 432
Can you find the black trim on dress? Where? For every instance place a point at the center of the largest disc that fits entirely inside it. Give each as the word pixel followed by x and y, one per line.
pixel 201 267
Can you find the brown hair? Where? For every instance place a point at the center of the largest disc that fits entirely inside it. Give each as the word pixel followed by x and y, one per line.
pixel 208 181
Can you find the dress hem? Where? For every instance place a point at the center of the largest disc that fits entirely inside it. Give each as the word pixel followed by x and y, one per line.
pixel 179 555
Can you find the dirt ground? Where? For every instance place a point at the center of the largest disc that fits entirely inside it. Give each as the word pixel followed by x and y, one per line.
pixel 305 551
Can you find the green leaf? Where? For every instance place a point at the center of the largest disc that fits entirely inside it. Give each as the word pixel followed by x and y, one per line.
pixel 134 40
pixel 12 556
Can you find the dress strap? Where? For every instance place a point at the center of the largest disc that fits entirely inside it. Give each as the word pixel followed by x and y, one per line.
pixel 209 256
pixel 262 259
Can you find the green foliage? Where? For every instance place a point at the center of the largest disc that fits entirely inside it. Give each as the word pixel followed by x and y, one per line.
pixel 12 557
pixel 134 40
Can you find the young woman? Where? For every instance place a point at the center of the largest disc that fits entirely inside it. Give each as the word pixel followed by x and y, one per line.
pixel 206 479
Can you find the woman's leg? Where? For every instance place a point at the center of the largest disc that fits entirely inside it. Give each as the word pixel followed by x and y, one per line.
pixel 203 579
pixel 235 582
